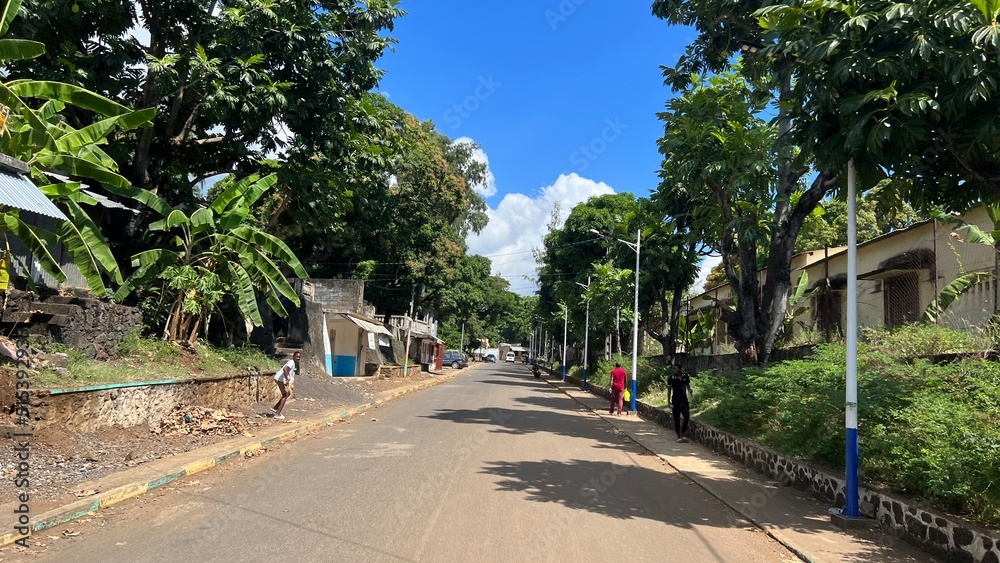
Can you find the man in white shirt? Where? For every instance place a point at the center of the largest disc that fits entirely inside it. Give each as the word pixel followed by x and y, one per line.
pixel 284 377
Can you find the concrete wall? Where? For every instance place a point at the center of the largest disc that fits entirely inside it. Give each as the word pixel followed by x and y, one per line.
pixel 135 404
pixel 336 295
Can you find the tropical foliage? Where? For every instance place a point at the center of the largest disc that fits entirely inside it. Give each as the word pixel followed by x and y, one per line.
pixel 212 252
pixel 62 156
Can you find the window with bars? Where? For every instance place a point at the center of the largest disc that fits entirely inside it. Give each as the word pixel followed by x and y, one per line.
pixel 901 299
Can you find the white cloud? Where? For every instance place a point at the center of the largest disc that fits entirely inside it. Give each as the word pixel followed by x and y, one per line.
pixel 520 222
pixel 489 187
pixel 704 269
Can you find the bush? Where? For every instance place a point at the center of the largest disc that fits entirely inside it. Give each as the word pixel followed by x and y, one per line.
pixel 651 372
pixel 927 430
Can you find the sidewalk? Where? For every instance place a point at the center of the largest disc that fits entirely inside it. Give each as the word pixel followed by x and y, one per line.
pixel 117 487
pixel 799 522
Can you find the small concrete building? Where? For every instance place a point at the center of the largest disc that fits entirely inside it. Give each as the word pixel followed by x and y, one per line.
pixel 335 328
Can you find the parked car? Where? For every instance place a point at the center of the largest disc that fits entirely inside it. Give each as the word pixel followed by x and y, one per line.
pixel 491 358
pixel 510 357
pixel 524 357
pixel 455 360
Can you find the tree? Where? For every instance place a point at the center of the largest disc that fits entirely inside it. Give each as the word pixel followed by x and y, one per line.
pixel 232 82
pixel 722 158
pixel 41 135
pixel 669 266
pixel 826 226
pixel 904 88
pixel 406 231
pixel 216 251
pixel 726 28
pixel 569 255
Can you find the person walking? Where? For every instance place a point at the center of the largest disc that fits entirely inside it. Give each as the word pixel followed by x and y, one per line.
pixel 284 377
pixel 678 391
pixel 618 376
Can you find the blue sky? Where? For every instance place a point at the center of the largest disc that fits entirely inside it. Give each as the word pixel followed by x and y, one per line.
pixel 560 94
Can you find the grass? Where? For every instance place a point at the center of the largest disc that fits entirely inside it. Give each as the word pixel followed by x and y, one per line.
pixel 144 359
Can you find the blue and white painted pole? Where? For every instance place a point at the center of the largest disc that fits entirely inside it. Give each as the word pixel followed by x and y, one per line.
pixel 565 328
pixel 851 471
pixel 586 338
pixel 635 324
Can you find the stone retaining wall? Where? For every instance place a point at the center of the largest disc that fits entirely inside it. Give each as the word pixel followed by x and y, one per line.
pixel 82 322
pixel 941 534
pixel 134 404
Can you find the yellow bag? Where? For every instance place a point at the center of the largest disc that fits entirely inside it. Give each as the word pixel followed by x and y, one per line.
pixel 627 395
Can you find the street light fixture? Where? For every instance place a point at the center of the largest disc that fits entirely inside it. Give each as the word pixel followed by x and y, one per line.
pixel 586 333
pixel 637 246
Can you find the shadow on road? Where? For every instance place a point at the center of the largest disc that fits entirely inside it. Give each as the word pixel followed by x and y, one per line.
pixel 619 491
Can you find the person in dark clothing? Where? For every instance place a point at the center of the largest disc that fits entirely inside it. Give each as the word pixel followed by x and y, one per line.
pixel 678 392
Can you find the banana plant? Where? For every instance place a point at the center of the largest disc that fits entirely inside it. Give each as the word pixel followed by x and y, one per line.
pixel 38 134
pixel 215 251
pixel 962 284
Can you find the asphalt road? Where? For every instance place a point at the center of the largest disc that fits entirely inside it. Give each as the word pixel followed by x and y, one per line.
pixel 491 466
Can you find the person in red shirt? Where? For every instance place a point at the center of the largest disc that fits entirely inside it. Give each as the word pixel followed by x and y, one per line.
pixel 618 376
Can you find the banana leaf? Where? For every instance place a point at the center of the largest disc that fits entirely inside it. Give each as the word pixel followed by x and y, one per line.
pixel 148 265
pixel 80 167
pixel 243 288
pixel 9 13
pixel 37 241
pixel 257 262
pixel 232 193
pixel 274 246
pixel 91 237
pixel 20 49
pixel 69 93
pixel 952 292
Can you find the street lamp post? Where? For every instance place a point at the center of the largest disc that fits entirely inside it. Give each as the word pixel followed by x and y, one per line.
pixel 565 328
pixel 637 246
pixel 586 334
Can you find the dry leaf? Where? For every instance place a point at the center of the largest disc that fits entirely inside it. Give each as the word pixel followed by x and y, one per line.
pixel 86 493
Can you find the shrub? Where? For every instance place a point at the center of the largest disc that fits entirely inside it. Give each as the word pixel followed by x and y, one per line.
pixel 927 430
pixel 650 372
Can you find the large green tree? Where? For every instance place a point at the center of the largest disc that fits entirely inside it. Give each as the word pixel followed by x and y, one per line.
pixel 39 131
pixel 907 88
pixel 232 82
pixel 405 231
pixel 721 157
pixel 723 30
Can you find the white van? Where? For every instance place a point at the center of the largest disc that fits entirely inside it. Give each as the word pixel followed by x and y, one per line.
pixel 510 357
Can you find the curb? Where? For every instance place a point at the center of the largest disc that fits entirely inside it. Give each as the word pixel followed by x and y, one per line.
pixel 785 543
pixel 86 507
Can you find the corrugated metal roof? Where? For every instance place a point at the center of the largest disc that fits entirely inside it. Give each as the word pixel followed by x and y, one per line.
pixel 18 191
pixel 365 325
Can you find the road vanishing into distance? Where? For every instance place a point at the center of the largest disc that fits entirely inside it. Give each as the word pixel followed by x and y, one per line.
pixel 493 465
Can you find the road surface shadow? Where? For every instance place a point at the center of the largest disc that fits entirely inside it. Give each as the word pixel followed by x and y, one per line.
pixel 619 491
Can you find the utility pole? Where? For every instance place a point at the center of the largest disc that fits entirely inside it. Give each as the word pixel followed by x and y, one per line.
pixel 409 329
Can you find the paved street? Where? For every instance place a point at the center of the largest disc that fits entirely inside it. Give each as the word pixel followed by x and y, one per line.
pixel 492 466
